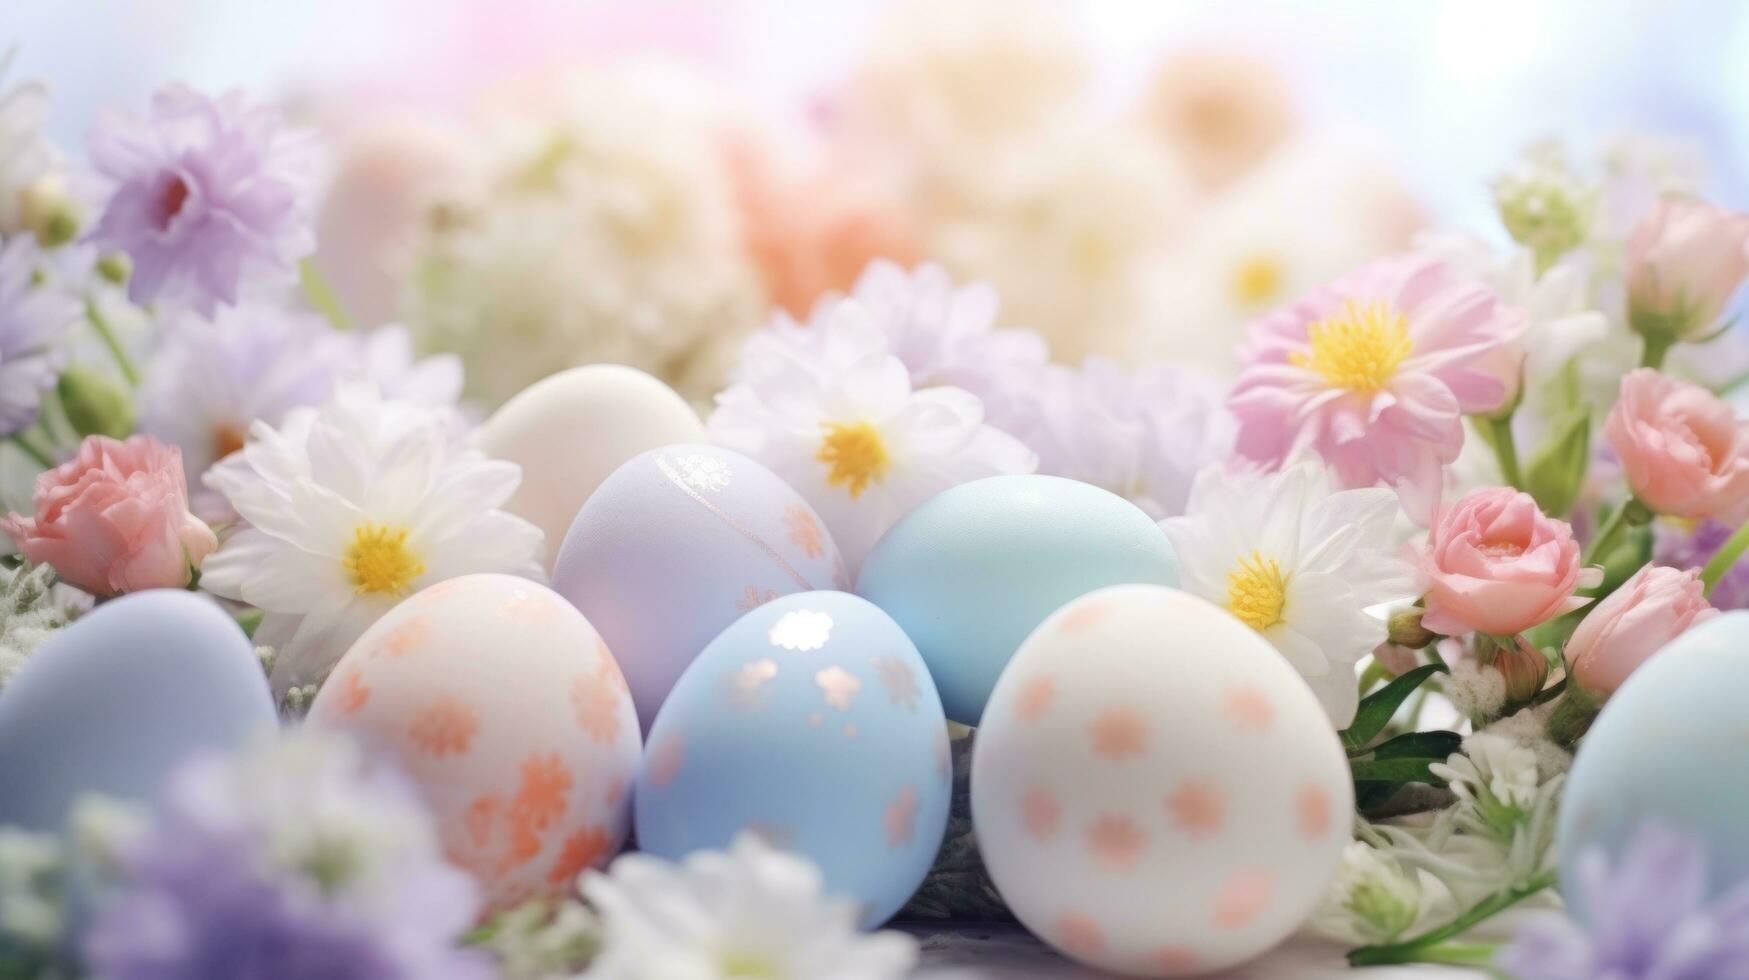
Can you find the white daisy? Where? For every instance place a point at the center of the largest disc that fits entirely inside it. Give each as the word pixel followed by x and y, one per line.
pixel 1298 562
pixel 350 508
pixel 843 425
pixel 749 911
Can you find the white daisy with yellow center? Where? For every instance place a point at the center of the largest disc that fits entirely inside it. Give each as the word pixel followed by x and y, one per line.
pixel 349 508
pixel 838 419
pixel 1299 563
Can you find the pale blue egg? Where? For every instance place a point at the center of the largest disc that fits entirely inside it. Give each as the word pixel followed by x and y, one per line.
pixel 1671 745
pixel 971 572
pixel 115 701
pixel 812 722
pixel 674 546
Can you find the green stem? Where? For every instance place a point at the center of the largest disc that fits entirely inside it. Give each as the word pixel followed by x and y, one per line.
pixel 1373 673
pixel 1726 556
pixel 1460 954
pixel 1417 950
pixel 1657 345
pixel 1505 450
pixel 1631 513
pixel 107 334
pixel 322 296
pixel 41 457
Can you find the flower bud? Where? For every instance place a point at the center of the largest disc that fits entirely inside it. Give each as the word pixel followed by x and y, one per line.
pixel 1522 666
pixel 1684 262
pixel 1544 205
pixel 1649 610
pixel 1405 629
pixel 94 404
pixel 50 213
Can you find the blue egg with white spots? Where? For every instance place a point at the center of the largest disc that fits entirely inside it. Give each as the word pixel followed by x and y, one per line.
pixel 812 722
pixel 975 569
pixel 1671 745
pixel 114 702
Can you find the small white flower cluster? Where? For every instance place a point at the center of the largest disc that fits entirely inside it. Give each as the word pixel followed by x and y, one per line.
pixel 31 610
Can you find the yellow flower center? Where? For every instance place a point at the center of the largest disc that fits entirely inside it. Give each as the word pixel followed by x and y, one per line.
pixel 1257 281
pixel 1257 591
pixel 752 966
pixel 379 562
pixel 854 455
pixel 1358 347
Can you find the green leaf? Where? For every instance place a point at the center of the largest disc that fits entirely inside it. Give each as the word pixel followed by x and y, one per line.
pixel 1376 709
pixel 1557 470
pixel 1435 745
pixel 1393 770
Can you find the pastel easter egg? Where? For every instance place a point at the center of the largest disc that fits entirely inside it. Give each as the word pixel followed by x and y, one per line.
pixel 115 701
pixel 570 430
pixel 1155 791
pixel 676 545
pixel 812 722
pixel 974 569
pixel 1669 746
pixel 505 706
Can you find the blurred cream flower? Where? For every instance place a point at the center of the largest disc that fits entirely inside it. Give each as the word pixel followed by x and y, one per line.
pixel 605 231
pixel 1221 112
pixel 26 155
pixel 1070 228
pixel 1309 214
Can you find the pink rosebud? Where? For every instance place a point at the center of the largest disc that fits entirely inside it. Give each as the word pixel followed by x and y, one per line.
pixel 1685 452
pixel 1684 261
pixel 1649 610
pixel 115 519
pixel 1496 564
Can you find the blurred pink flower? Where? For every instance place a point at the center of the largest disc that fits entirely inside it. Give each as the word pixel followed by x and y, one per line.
pixel 1221 111
pixel 1649 610
pixel 1684 451
pixel 1375 373
pixel 1685 260
pixel 1496 564
pixel 115 519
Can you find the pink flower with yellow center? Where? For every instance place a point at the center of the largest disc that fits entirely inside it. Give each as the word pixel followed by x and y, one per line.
pixel 1374 373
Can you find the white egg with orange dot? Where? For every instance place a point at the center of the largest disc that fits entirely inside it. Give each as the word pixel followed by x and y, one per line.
pixel 1155 791
pixel 503 704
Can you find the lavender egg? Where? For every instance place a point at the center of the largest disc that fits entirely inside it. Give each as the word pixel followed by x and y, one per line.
pixel 115 701
pixel 677 544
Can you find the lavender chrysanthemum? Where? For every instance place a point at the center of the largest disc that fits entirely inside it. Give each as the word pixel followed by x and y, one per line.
pixel 1681 547
pixel 207 194
pixel 1648 918
pixel 297 860
pixel 34 318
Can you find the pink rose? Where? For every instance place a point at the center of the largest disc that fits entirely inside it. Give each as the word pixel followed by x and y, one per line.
pixel 115 519
pixel 1685 452
pixel 1649 610
pixel 1496 564
pixel 1684 261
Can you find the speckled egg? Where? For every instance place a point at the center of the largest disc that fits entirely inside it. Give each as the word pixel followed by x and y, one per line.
pixel 813 722
pixel 1155 790
pixel 571 430
pixel 1671 745
pixel 676 545
pixel 505 706
pixel 974 569
pixel 114 702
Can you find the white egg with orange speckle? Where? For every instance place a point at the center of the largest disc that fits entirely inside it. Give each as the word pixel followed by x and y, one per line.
pixel 1155 791
pixel 505 706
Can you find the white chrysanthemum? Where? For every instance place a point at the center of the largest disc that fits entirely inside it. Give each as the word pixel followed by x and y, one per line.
pixel 350 508
pixel 1374 899
pixel 1298 562
pixel 842 423
pixel 1071 228
pixel 608 233
pixel 1143 434
pixel 750 911
pixel 26 155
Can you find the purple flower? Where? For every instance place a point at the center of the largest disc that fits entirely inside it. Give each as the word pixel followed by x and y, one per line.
pixel 1647 918
pixel 297 860
pixel 207 194
pixel 34 318
pixel 1678 546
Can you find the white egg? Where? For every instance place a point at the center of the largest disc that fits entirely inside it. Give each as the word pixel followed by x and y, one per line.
pixel 1155 790
pixel 570 430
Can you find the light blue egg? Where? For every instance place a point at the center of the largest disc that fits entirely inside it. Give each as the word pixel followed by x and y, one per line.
pixel 674 546
pixel 813 722
pixel 1671 745
pixel 115 701
pixel 971 572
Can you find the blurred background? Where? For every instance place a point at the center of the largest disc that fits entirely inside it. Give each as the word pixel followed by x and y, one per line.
pixel 1137 178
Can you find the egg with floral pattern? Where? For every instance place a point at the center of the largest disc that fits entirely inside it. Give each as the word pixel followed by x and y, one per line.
pixel 1155 791
pixel 505 706
pixel 677 544
pixel 812 722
